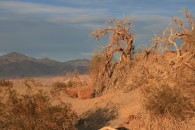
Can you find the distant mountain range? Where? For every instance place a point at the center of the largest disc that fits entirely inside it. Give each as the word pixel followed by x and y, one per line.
pixel 16 65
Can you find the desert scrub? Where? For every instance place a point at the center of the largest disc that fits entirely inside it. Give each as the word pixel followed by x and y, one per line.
pixel 34 112
pixel 96 62
pixel 5 83
pixel 59 86
pixel 72 82
pixel 165 101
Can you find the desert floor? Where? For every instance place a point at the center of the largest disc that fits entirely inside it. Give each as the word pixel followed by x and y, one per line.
pixel 112 109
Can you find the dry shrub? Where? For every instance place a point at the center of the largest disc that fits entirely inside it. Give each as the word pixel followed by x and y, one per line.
pixel 34 111
pixel 165 123
pixel 107 72
pixel 167 107
pixel 123 76
pixel 58 86
pixel 111 78
pixel 171 58
pixel 72 82
pixel 6 83
pixel 32 82
pixel 164 100
pixel 74 87
pixel 96 63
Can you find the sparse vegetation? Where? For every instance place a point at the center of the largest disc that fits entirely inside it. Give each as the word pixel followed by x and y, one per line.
pixel 6 83
pixel 164 100
pixel 96 63
pixel 109 70
pixel 164 73
pixel 34 111
pixel 59 86
pixel 72 82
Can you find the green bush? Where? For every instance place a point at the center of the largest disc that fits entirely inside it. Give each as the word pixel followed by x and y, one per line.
pixel 163 100
pixel 35 112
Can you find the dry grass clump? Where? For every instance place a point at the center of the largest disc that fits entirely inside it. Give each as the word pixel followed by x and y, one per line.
pixel 72 82
pixel 164 100
pixel 6 83
pixel 58 86
pixel 96 62
pixel 34 111
pixel 75 87
pixel 32 82
pixel 110 78
pixel 167 108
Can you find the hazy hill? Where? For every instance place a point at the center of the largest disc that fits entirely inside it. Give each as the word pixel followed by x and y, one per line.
pixel 81 62
pixel 15 65
pixel 13 57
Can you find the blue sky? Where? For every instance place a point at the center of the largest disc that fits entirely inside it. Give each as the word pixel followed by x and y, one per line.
pixel 60 29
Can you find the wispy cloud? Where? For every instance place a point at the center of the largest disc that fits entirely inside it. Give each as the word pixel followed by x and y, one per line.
pixel 58 14
pixel 33 8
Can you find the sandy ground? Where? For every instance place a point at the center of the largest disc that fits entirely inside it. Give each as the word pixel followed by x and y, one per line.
pixel 112 109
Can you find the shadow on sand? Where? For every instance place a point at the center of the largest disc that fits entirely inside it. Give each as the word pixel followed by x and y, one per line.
pixel 98 117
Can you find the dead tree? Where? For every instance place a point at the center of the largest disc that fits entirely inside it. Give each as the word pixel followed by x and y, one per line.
pixel 178 32
pixel 181 35
pixel 120 42
pixel 120 39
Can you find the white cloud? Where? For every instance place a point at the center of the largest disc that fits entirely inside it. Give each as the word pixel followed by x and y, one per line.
pixel 28 7
pixel 55 14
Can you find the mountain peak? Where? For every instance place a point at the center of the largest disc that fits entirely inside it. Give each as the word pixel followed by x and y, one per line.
pixel 15 57
pixel 14 54
pixel 19 65
pixel 47 61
